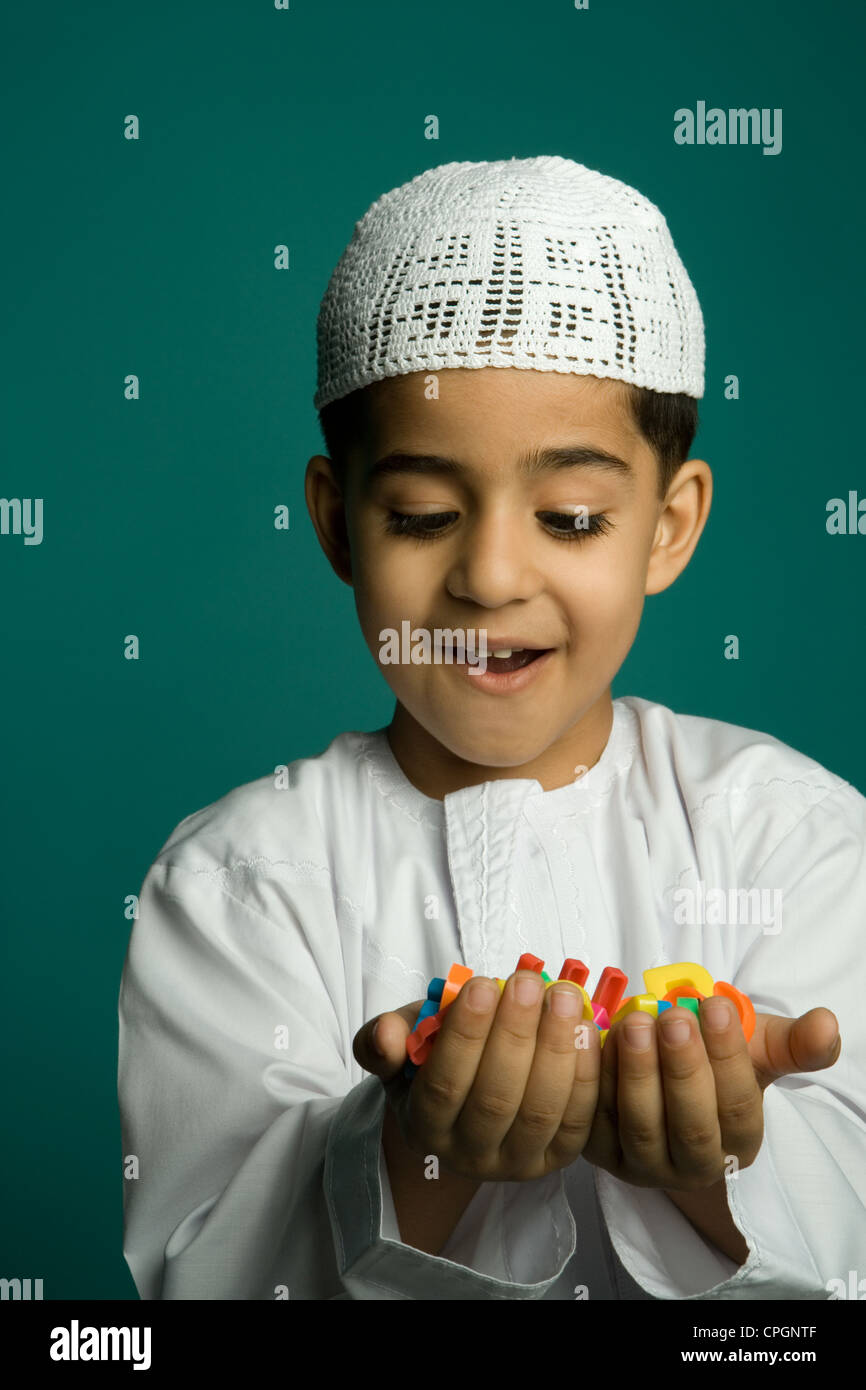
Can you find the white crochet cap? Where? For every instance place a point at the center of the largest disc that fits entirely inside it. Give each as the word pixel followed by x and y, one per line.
pixel 535 263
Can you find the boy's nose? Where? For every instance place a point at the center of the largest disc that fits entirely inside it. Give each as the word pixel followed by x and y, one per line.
pixel 495 564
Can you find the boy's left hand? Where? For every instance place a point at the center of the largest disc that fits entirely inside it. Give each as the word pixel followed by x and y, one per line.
pixel 672 1116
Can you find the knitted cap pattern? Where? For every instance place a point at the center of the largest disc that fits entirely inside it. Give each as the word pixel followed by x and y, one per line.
pixel 537 263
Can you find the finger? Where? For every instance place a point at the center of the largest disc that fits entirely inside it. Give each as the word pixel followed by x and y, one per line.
pixel 503 1068
pixel 739 1106
pixel 562 1075
pixel 578 1117
pixel 603 1147
pixel 693 1134
pixel 441 1087
pixel 641 1101
pixel 788 1045
pixel 391 1033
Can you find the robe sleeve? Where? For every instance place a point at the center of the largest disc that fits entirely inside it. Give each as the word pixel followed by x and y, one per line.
pixel 252 1152
pixel 801 1206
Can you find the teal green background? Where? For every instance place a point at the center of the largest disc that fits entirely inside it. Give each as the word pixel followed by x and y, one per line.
pixel 155 257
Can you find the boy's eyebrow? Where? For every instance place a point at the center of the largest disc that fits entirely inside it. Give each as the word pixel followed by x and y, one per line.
pixel 529 464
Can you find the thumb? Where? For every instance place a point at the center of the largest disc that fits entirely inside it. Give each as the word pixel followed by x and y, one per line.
pixel 380 1045
pixel 781 1046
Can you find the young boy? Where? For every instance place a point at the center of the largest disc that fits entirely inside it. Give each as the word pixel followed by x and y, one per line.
pixel 509 359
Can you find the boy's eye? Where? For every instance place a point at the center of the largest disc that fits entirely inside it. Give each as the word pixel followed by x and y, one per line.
pixel 418 523
pixel 574 528
pixel 562 525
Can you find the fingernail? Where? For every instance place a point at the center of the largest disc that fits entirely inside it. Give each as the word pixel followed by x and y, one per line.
pixel 528 988
pixel 677 1030
pixel 715 1014
pixel 565 1002
pixel 481 996
pixel 637 1034
pixel 375 1038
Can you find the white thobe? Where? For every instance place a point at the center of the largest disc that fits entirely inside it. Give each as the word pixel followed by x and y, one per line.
pixel 276 921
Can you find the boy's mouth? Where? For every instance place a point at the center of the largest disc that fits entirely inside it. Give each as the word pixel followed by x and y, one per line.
pixel 517 657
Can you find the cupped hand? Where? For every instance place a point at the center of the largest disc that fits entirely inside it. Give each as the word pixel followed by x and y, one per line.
pixel 672 1114
pixel 509 1090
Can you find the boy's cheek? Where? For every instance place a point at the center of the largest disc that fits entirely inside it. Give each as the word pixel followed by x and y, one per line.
pixel 607 614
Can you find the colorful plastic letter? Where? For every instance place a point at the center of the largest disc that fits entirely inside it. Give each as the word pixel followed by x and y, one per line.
pixel 457 977
pixel 529 962
pixel 420 1040
pixel 744 1006
pixel 662 979
pixel 575 971
pixel 683 992
pixel 638 1003
pixel 610 989
pixel 430 1006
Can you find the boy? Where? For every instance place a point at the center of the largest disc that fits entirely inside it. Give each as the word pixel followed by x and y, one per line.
pixel 509 359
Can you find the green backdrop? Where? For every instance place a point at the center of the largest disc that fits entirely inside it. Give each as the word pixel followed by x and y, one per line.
pixel 261 126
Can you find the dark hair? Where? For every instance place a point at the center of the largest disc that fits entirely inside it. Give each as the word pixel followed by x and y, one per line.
pixel 667 422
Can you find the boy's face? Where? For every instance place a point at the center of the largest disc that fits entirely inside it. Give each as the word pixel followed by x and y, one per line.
pixel 510 560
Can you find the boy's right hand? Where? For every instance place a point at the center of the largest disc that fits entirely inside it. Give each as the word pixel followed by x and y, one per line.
pixel 507 1094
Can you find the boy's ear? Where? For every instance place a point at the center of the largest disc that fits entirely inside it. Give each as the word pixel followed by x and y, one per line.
pixel 328 514
pixel 681 521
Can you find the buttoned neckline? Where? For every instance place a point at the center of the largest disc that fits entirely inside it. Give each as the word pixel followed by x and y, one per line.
pixel 509 794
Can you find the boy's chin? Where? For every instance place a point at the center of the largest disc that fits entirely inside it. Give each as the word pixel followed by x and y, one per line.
pixel 509 750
